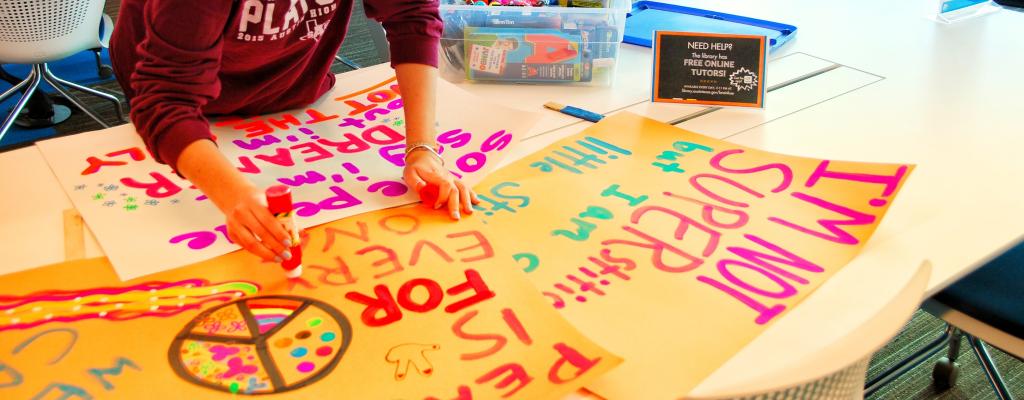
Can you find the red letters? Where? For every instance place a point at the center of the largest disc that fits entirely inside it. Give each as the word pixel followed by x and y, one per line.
pixel 382 300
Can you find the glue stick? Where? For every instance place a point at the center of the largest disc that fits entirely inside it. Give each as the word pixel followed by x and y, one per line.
pixel 279 201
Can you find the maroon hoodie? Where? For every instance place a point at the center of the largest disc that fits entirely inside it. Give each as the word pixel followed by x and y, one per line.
pixel 178 60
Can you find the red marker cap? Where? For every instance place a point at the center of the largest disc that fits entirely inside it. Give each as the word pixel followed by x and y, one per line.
pixel 429 193
pixel 293 267
pixel 279 199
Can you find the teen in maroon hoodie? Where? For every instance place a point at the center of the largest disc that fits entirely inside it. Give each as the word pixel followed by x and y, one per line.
pixel 178 60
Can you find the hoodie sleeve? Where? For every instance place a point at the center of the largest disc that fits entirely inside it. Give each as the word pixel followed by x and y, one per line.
pixel 177 73
pixel 413 28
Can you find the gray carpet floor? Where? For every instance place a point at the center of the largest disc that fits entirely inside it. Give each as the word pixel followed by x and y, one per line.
pixel 917 385
pixel 364 48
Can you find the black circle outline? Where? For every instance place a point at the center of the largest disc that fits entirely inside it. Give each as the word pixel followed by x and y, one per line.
pixel 260 342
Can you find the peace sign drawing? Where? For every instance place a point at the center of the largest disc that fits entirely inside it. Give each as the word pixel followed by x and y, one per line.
pixel 261 345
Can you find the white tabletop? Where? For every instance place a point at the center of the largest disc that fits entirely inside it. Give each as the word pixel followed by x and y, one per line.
pixel 949 102
pixel 946 97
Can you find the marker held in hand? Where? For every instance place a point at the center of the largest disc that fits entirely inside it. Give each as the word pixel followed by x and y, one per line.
pixel 279 202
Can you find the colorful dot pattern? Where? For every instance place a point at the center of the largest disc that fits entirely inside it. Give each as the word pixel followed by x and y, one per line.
pixel 302 342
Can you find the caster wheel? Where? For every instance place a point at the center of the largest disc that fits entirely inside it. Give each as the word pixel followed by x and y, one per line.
pixel 945 373
pixel 106 72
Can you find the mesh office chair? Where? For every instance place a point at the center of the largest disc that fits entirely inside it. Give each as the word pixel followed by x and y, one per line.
pixel 39 31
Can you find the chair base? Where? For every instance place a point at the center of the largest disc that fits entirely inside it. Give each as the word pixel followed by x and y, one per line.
pixel 40 73
pixel 946 370
pixel 345 60
pixel 909 363
pixel 58 113
pixel 103 70
pixel 989 367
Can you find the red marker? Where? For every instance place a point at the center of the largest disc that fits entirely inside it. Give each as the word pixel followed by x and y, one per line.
pixel 279 201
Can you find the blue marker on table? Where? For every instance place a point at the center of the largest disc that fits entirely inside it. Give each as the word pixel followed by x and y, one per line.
pixel 575 112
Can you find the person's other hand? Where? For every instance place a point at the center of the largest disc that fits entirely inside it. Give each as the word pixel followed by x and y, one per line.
pixel 423 168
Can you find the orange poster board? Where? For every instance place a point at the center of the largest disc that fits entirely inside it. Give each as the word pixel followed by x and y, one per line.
pixel 393 304
pixel 674 250
pixel 665 247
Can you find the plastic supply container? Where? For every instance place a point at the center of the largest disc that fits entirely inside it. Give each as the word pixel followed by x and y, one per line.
pixel 549 44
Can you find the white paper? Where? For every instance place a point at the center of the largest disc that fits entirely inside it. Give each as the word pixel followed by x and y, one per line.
pixel 145 230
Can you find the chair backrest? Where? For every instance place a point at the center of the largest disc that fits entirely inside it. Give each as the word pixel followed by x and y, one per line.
pixel 38 31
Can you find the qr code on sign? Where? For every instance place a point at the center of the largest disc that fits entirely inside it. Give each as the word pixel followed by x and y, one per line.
pixel 487 59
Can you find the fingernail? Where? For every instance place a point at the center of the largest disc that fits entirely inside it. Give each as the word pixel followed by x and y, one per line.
pixel 436 206
pixel 456 215
pixel 287 255
pixel 469 211
pixel 287 243
pixel 277 259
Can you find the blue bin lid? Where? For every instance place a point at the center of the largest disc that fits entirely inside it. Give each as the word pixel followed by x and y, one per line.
pixel 650 16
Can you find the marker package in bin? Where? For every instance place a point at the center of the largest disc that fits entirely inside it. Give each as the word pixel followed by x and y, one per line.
pixel 548 44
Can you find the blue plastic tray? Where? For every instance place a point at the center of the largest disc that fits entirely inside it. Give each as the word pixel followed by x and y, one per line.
pixel 649 16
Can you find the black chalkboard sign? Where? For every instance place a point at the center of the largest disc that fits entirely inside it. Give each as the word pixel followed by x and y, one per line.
pixel 709 68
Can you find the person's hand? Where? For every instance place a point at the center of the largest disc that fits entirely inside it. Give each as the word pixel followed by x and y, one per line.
pixel 423 168
pixel 249 222
pixel 252 226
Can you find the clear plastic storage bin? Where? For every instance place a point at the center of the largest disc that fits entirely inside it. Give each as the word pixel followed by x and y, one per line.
pixel 546 44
